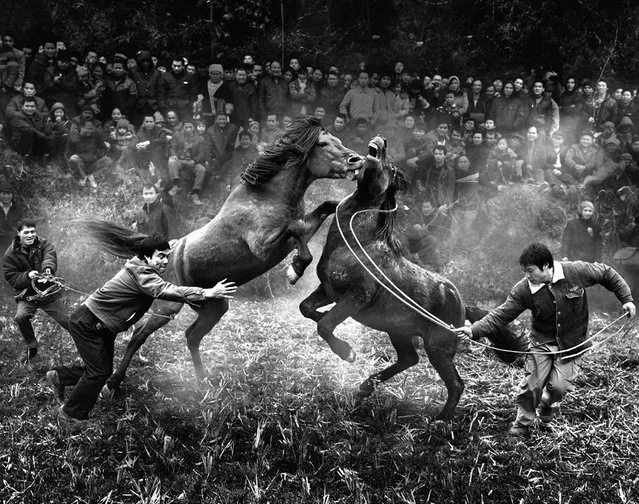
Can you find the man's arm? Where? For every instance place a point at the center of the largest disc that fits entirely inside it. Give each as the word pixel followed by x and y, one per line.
pixel 49 257
pixel 501 316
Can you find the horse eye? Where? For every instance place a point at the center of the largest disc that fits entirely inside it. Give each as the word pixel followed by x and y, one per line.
pixel 322 144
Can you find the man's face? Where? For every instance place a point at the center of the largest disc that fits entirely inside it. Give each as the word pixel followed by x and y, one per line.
pixel 491 139
pixel 374 79
pixel 439 156
pixel 320 113
pixel 362 80
pixel 191 69
pixel 557 141
pixel 276 69
pixel 87 115
pixel 28 90
pixel 463 163
pixel 489 124
pixel 318 75
pixel 241 76
pixel 586 141
pixel 189 129
pixel 418 133
pixel 508 90
pixel 602 87
pixel 91 58
pixel 200 128
pixel 171 118
pixel 538 88
pixel 469 125
pixel 538 276
pixel 455 137
pixel 519 84
pixel 258 70
pixel 271 122
pixel 27 236
pixel 332 80
pixel 626 97
pixel 385 82
pixel 6 197
pixel 49 49
pixel 361 129
pixel 98 73
pixel 149 195
pixel 216 76
pixel 118 70
pixel 245 141
pixel 437 81
pixel 177 66
pixel 149 123
pixel 159 260
pixel 532 134
pixel 248 60
pixel 29 108
pixel 8 41
pixel 286 121
pixel 28 53
pixel 571 84
pixel 348 79
pixel 339 123
pixel 294 64
pixel 442 129
pixel 478 139
pixel 477 87
pixel 399 67
pixel 490 91
pixel 220 120
pixel 63 64
pixel 498 84
pixel 229 74
pixel 427 82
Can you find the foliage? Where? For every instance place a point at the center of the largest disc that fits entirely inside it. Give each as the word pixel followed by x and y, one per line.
pixel 482 37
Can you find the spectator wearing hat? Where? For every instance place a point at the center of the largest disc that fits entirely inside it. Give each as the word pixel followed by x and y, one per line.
pixel 177 90
pixel 581 240
pixel 61 84
pixel 60 127
pixel 607 131
pixel 28 91
pixel 218 98
pixel 11 212
pixel 146 78
pixel 121 91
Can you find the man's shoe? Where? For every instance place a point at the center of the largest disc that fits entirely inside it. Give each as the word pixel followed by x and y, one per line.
pixel 28 355
pixel 67 420
pixel 521 431
pixel 546 413
pixel 54 383
pixel 195 199
pixel 106 394
pixel 92 181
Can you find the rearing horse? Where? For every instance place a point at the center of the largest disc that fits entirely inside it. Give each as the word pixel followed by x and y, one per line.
pixel 261 221
pixel 346 282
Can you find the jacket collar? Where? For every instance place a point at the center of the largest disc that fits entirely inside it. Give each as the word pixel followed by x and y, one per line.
pixel 557 274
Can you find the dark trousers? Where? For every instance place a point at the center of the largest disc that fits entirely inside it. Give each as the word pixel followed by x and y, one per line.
pixel 94 342
pixel 56 309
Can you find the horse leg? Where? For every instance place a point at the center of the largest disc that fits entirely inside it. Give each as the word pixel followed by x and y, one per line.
pixel 345 308
pixel 207 316
pixel 406 357
pixel 317 299
pixel 162 314
pixel 302 231
pixel 441 346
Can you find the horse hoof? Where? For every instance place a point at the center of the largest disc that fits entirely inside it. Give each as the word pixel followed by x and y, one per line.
pixel 291 276
pixel 364 392
pixel 350 358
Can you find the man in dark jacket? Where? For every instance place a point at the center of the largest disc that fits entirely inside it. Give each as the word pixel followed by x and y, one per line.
pixel 188 151
pixel 177 90
pixel 31 133
pixel 121 91
pixel 273 93
pixel 86 151
pixel 154 217
pixel 147 79
pixel 26 264
pixel 554 292
pixel 11 212
pixel 244 99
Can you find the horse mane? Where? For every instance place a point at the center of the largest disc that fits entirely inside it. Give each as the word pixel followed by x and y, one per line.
pixel 292 149
pixel 117 240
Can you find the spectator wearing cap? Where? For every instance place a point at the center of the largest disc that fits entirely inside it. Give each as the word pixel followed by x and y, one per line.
pixel 61 84
pixel 11 212
pixel 28 91
pixel 121 91
pixel 61 128
pixel 146 78
pixel 177 90
pixel 218 95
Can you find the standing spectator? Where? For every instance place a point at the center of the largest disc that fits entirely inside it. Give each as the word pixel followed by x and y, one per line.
pixel 555 294
pixel 507 111
pixel 42 64
pixel 154 217
pixel 571 111
pixel 187 151
pixel 222 136
pixel 460 96
pixel 86 154
pixel 272 93
pixel 24 262
pixel 302 94
pixel 10 215
pixel 602 106
pixel 31 132
pixel 361 101
pixel 8 75
pixel 61 84
pixel 338 128
pixel 146 79
pixel 542 111
pixel 121 91
pixel 243 99
pixel 581 240
pixel 477 105
pixel 436 182
pixel 177 90
pixel 387 101
pixel 330 96
pixel 8 44
pixel 627 107
pixel 438 136
pixel 218 94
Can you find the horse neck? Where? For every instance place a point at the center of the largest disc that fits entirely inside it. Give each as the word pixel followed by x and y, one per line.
pixel 291 184
pixel 365 224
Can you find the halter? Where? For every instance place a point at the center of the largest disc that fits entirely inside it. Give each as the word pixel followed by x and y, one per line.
pixel 413 305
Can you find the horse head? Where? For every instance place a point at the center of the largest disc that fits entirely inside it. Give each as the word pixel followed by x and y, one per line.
pixel 378 176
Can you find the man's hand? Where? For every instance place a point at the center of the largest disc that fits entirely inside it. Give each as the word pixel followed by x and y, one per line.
pixel 222 289
pixel 630 309
pixel 32 274
pixel 464 333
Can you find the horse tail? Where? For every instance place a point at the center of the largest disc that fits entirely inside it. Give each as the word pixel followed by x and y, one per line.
pixel 504 337
pixel 120 241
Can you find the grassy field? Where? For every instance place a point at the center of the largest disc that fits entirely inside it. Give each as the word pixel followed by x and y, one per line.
pixel 278 422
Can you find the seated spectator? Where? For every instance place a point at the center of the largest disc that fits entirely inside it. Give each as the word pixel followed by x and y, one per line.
pixel 625 132
pixel 501 165
pixel 61 84
pixel 272 133
pixel 11 213
pixel 287 120
pixel 338 128
pixel 579 159
pixel 90 92
pixel 608 168
pixel 608 131
pixel 532 154
pixel 221 137
pixel 122 150
pixel 108 128
pixel 468 129
pixel 581 240
pixel 318 113
pixel 149 153
pixel 28 91
pixel 31 133
pixel 244 154
pixel 456 147
pixel 477 151
pixel 466 183
pixel 187 151
pixel 86 153
pixel 61 127
pixel 244 99
pixel 554 163
pixel 173 123
pixel 406 128
pixel 438 136
pixel 436 179
pixel 154 217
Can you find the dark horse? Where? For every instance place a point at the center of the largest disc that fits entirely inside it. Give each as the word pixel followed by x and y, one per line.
pixel 261 221
pixel 345 282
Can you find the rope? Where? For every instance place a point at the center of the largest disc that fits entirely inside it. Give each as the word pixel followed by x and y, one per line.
pixel 412 304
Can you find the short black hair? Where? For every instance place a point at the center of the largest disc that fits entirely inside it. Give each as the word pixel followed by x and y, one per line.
pixel 246 133
pixel 536 254
pixel 27 222
pixel 440 148
pixel 150 244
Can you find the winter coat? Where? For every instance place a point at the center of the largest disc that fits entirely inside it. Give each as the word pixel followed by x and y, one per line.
pixel 17 263
pixel 508 113
pixel 156 218
pixel 272 97
pixel 121 94
pixel 176 92
pixel 581 240
pixel 244 98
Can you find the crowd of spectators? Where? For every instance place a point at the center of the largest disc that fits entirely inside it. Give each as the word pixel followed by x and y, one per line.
pixel 458 140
